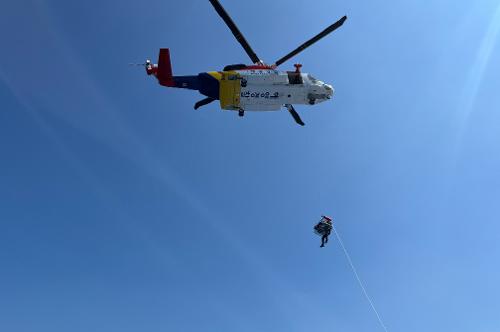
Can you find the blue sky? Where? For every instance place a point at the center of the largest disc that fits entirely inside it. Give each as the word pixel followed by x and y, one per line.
pixel 123 209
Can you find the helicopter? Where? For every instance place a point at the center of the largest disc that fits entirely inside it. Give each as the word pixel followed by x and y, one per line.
pixel 255 87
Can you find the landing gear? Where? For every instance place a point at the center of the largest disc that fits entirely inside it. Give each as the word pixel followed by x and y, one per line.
pixel 312 101
pixel 241 112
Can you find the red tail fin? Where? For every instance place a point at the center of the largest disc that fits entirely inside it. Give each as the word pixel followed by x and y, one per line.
pixel 164 73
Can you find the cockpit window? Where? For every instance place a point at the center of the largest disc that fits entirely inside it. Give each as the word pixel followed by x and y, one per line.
pixel 311 78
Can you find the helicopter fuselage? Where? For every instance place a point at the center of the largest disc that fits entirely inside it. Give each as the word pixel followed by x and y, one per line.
pixel 256 89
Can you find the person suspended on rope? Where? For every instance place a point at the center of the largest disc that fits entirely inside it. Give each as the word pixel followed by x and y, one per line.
pixel 324 228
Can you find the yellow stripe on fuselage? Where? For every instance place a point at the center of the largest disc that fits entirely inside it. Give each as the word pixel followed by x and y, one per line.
pixel 215 74
pixel 230 90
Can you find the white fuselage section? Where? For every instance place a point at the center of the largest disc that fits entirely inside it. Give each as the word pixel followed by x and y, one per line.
pixel 270 90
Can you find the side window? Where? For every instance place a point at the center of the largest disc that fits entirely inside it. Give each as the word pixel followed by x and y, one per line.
pixel 294 78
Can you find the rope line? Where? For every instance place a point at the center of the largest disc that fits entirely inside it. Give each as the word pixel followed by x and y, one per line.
pixel 359 279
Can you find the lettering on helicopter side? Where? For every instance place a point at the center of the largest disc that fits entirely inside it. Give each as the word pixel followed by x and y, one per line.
pixel 261 72
pixel 257 94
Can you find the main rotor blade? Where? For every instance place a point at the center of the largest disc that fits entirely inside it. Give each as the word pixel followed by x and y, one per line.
pixel 294 114
pixel 311 41
pixel 234 29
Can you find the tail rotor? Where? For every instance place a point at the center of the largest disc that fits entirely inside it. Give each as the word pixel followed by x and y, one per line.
pixel 150 68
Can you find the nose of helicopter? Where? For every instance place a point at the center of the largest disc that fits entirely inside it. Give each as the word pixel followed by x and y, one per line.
pixel 320 92
pixel 328 90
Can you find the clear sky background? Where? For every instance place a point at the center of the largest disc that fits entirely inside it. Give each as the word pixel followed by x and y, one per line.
pixel 123 209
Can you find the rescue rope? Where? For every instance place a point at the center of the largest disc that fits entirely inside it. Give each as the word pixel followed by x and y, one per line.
pixel 359 279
